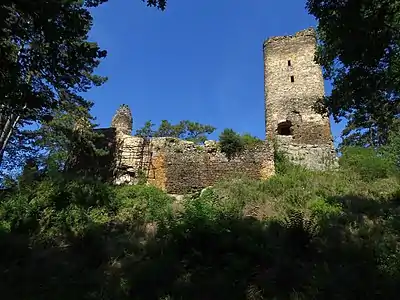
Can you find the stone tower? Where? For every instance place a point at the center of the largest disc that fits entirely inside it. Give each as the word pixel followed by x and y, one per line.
pixel 293 83
pixel 122 120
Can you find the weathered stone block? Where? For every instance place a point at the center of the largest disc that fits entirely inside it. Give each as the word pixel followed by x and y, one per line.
pixel 178 166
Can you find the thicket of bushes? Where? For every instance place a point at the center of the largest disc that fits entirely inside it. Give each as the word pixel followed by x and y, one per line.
pixel 232 143
pixel 299 235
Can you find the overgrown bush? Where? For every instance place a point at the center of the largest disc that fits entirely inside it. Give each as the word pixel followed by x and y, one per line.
pixel 297 235
pixel 56 207
pixel 391 151
pixel 145 202
pixel 250 141
pixel 231 143
pixel 282 163
pixel 367 162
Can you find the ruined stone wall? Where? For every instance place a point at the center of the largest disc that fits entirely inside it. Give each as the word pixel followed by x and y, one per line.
pixel 293 85
pixel 179 167
pixel 138 158
pixel 192 167
pixel 174 165
pixel 313 156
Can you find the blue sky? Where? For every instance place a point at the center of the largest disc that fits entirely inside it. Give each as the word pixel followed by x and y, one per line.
pixel 198 60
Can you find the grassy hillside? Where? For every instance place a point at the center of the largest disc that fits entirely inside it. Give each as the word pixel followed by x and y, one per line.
pixel 299 235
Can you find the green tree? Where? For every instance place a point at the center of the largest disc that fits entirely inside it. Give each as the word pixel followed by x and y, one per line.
pixel 231 143
pixel 146 131
pixel 185 130
pixel 30 173
pixel 166 129
pixel 194 131
pixel 45 59
pixel 391 150
pixel 359 44
pixel 67 143
pixel 250 141
pixel 367 162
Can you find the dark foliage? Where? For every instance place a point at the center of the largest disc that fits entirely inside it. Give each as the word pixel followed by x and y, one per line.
pixel 202 259
pixel 329 235
pixel 359 50
pixel 46 60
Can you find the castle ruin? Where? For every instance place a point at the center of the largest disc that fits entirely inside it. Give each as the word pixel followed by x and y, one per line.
pixel 293 84
pixel 178 166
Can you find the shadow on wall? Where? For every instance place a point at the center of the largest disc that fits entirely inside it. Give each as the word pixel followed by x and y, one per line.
pixel 221 258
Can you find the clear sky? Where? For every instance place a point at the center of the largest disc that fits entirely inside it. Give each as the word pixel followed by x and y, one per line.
pixel 198 60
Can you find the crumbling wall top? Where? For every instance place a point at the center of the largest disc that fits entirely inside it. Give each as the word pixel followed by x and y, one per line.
pixel 309 32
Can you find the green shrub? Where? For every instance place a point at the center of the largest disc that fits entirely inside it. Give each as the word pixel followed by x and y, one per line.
pixel 391 151
pixel 142 177
pixel 321 209
pixel 288 237
pixel 282 163
pixel 211 205
pixel 54 207
pixel 250 142
pixel 145 202
pixel 231 143
pixel 366 162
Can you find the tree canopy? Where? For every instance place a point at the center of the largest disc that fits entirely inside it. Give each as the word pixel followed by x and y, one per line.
pixel 46 60
pixel 185 130
pixel 359 51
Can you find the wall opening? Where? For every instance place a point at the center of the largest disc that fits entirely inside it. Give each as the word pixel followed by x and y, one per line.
pixel 289 63
pixel 285 128
pixel 291 78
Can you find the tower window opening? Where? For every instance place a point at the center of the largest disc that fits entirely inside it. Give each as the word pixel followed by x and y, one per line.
pixel 291 78
pixel 285 128
pixel 289 63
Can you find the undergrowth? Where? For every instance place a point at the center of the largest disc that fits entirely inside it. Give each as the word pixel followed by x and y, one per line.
pixel 299 235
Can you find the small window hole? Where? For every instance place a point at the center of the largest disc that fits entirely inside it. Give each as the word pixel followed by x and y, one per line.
pixel 289 63
pixel 285 128
pixel 292 78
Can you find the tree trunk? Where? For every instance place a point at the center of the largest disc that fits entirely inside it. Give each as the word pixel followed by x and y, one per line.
pixel 7 126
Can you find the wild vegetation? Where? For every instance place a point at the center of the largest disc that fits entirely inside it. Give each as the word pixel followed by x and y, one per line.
pixel 232 143
pixel 299 235
pixel 365 74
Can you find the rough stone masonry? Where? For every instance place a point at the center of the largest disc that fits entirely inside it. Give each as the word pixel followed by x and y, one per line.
pixel 293 84
pixel 178 166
